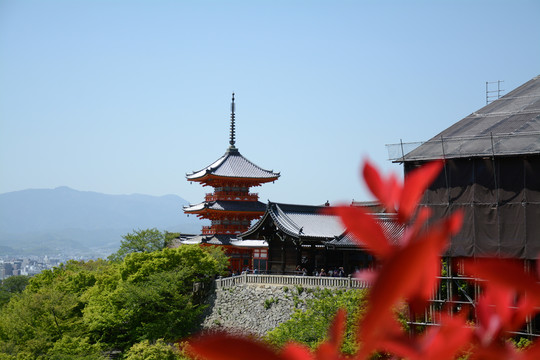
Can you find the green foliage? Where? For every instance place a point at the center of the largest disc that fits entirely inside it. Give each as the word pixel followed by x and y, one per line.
pixel 269 302
pixel 15 284
pixel 521 343
pixel 156 351
pixel 311 326
pixel 153 297
pixel 169 237
pixel 80 309
pixel 11 286
pixel 193 260
pixel 158 306
pixel 147 240
pixel 33 321
pixel 79 348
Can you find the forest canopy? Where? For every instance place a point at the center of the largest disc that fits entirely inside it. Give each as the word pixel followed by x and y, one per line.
pixel 82 310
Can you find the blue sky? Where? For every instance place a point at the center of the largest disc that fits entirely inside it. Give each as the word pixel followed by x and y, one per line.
pixel 127 97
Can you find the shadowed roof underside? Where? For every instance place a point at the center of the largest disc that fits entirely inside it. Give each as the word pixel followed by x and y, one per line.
pixel 236 206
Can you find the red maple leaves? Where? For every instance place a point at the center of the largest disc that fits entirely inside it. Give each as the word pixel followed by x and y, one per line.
pixel 408 271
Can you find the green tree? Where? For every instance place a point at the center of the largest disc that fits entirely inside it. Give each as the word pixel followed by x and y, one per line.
pixel 11 286
pixel 170 236
pixel 33 321
pixel 43 320
pixel 156 351
pixel 15 284
pixel 75 348
pixel 79 309
pixel 147 240
pixel 151 296
pixel 310 327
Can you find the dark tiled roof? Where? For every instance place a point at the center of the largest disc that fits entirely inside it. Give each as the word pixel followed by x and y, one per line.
pixel 507 126
pixel 233 164
pixel 391 228
pixel 209 239
pixel 371 206
pixel 219 205
pixel 305 221
pixel 309 222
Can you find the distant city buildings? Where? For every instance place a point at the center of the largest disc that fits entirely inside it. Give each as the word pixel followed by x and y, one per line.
pixel 30 265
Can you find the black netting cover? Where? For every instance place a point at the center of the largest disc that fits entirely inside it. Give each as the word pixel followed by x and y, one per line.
pixel 500 199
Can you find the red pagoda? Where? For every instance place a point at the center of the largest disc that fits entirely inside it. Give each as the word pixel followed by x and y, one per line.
pixel 231 207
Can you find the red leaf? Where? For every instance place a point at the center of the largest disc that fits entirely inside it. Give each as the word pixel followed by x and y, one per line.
pixel 365 229
pixel 414 229
pixel 531 353
pixel 386 190
pixel 403 275
pixel 493 310
pixel 507 273
pixel 496 351
pixel 369 276
pixel 438 342
pixel 294 351
pixel 445 341
pixel 416 182
pixel 222 346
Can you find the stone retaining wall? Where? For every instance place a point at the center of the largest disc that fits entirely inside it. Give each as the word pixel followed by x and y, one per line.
pixel 253 309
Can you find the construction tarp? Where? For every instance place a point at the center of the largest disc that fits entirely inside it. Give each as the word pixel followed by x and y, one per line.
pixel 500 199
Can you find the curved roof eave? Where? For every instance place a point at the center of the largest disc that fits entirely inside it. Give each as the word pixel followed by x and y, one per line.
pixel 227 206
pixel 233 165
pixel 282 225
pixel 206 177
pixel 255 227
pixel 306 228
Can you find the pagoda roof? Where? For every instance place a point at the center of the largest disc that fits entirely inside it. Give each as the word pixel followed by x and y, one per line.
pixel 233 165
pixel 215 239
pixel 221 205
pixel 507 126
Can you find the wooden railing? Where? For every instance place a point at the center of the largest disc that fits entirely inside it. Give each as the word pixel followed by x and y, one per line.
pixel 224 229
pixel 286 280
pixel 231 197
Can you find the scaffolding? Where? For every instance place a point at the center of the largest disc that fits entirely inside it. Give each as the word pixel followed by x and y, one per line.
pixel 490 91
pixel 466 146
pixel 457 292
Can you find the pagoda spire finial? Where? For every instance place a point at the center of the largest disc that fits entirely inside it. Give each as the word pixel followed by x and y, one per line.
pixel 232 136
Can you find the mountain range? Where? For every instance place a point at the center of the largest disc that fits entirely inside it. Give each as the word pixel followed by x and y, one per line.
pixel 60 220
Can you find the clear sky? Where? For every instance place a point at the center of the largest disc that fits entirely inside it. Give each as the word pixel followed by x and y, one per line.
pixel 127 97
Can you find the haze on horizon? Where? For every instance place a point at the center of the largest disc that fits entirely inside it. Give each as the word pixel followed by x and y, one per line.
pixel 128 96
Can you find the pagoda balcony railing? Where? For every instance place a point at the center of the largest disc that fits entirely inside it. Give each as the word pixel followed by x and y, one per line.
pixel 287 280
pixel 231 197
pixel 229 230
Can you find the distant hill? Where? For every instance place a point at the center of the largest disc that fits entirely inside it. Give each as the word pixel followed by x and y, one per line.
pixel 38 221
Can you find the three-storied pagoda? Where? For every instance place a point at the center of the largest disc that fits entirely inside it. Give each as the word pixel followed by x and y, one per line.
pixel 231 207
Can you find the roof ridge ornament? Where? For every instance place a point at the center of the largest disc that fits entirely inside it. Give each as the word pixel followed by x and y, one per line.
pixel 232 140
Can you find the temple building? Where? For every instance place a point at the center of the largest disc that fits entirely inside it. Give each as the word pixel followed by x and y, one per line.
pixel 491 174
pixel 231 206
pixel 307 239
